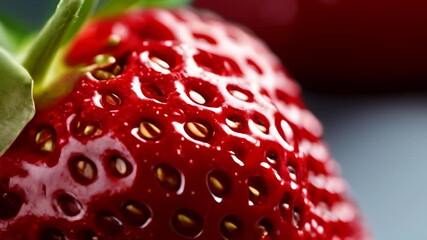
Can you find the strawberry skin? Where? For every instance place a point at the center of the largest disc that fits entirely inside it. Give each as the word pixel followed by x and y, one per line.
pixel 194 131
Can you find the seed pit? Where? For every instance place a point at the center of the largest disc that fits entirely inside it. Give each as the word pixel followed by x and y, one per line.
pixel 187 223
pixel 150 90
pixel 108 223
pixel 162 59
pixel 273 159
pixel 46 139
pixel 217 64
pixel 82 169
pixel 218 183
pixel 111 100
pixel 265 227
pixel 168 177
pixel 254 66
pixel 231 227
pixel 197 130
pixel 203 93
pixel 149 130
pixel 292 172
pixel 87 234
pixel 257 190
pixel 51 233
pixel 235 123
pixel 69 205
pixel 10 204
pixel 119 166
pixel 261 123
pixel 136 213
pixel 286 204
pixel 296 217
pixel 205 38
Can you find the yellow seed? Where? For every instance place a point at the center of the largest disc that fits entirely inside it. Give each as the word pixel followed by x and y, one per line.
pixel 197 98
pixel 121 166
pixel 260 127
pixel 112 99
pixel 254 191
pixel 239 95
pixel 134 210
pixel 114 40
pixel 232 124
pixel 47 146
pixel 263 230
pixel 103 75
pixel 149 130
pixel 44 138
pixel 230 226
pixel 160 62
pixel 186 221
pixel 166 178
pixel 198 129
pixel 104 60
pixel 85 169
pixel 219 187
pixel 89 130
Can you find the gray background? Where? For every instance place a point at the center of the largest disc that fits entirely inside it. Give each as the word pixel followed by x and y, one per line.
pixel 380 142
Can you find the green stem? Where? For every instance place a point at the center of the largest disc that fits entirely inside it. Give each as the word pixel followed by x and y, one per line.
pixel 38 57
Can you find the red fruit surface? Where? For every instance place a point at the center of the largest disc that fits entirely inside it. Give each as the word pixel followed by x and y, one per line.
pixel 365 45
pixel 194 132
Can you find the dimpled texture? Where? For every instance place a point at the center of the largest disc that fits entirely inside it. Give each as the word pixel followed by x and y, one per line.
pixel 194 131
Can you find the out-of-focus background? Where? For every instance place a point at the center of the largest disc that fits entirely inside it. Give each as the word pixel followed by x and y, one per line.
pixel 367 86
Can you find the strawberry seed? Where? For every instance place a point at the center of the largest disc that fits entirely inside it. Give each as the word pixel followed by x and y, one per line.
pixel 168 177
pixel 187 223
pixel 69 205
pixel 197 130
pixel 82 169
pixel 230 227
pixel 149 131
pixel 136 213
pixel 45 139
pixel 218 183
pixel 257 190
pixel 197 97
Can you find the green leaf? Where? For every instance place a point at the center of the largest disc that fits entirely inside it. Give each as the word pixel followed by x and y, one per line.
pixel 16 102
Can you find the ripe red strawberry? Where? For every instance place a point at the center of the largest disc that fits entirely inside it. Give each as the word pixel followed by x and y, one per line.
pixel 186 127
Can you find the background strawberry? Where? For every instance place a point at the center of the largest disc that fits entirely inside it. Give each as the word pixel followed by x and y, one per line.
pixel 337 45
pixel 188 129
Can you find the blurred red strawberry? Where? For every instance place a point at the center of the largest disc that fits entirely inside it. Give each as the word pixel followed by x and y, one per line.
pixel 359 45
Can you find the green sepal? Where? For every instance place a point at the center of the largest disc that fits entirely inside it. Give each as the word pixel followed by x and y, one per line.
pixel 86 11
pixel 39 55
pixel 164 3
pixel 16 99
pixel 112 7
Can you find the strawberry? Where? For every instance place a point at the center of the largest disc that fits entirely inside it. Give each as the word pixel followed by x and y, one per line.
pixel 340 45
pixel 179 125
